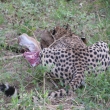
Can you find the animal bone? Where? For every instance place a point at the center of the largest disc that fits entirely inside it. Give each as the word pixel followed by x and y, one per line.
pixel 32 44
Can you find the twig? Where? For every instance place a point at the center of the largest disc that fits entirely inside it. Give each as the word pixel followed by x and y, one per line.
pixel 15 39
pixel 91 85
pixel 29 30
pixel 86 92
pixel 38 94
pixel 49 47
pixel 43 80
pixel 53 37
pixel 57 40
pixel 65 106
pixel 13 48
pixel 33 34
pixel 52 81
pixel 76 102
pixel 89 89
pixel 11 57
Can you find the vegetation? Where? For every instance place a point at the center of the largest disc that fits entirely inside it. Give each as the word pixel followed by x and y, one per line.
pixel 88 18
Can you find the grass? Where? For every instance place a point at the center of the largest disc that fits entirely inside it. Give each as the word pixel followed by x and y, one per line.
pixel 91 20
pixel 96 93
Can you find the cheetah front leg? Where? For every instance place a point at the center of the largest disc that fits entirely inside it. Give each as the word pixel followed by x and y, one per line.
pixel 75 83
pixel 58 93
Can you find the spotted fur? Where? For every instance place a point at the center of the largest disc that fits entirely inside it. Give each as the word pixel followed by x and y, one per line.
pixel 70 64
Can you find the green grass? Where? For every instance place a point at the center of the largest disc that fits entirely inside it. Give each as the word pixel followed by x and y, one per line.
pixel 92 20
pixel 96 93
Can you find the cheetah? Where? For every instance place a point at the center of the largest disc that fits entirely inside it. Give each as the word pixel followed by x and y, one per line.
pixel 69 65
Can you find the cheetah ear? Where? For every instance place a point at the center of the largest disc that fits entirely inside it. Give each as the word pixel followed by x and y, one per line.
pixel 84 39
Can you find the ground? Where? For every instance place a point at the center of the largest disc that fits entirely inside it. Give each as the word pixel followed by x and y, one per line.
pixel 88 18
